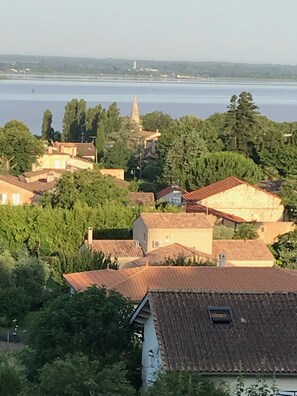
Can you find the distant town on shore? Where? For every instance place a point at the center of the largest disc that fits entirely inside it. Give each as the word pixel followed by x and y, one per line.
pixel 19 65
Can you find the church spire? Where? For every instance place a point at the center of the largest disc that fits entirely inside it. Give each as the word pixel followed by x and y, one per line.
pixel 135 114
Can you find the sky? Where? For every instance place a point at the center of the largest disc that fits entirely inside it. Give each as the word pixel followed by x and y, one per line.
pixel 252 31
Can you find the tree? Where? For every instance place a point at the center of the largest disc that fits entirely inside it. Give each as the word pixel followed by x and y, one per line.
pixel 118 156
pixel 94 116
pixel 47 131
pixel 183 383
pixel 74 121
pixel 19 147
pixel 89 187
pixel 246 231
pixel 78 376
pixel 94 322
pixel 285 250
pixel 212 167
pixel 241 121
pixel 112 119
pixel 289 196
pixel 156 120
pixel 100 142
pixel 12 375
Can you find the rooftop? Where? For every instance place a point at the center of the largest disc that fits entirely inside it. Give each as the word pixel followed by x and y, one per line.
pixel 117 248
pixel 170 189
pixel 219 187
pixel 133 283
pixel 142 198
pixel 176 220
pixel 189 340
pixel 193 207
pixel 242 250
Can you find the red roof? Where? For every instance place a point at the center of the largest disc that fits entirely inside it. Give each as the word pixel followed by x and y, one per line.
pixel 218 187
pixel 168 190
pixel 242 250
pixel 133 283
pixel 193 207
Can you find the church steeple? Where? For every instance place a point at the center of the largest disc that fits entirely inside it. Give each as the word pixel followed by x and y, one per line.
pixel 135 114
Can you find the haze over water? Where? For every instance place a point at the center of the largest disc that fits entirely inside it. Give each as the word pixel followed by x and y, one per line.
pixel 26 100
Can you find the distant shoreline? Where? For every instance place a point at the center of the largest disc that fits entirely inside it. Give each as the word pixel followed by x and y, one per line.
pixel 144 79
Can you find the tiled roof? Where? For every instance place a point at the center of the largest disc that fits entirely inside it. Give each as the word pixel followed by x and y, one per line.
pixel 176 220
pixel 133 283
pixel 117 248
pixel 218 187
pixel 85 149
pixel 193 207
pixel 247 250
pixel 142 198
pixel 170 189
pixel 261 337
pixel 36 187
pixel 173 251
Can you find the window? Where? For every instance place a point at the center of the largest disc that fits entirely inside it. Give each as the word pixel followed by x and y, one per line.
pixel 16 199
pixel 3 198
pixel 167 239
pixel 220 315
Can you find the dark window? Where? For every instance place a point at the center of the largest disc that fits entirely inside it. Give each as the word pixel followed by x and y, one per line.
pixel 220 315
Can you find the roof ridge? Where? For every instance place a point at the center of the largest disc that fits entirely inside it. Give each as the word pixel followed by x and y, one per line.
pixel 137 269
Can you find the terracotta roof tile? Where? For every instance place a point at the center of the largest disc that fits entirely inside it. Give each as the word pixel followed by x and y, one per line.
pixel 142 198
pixel 36 187
pixel 117 248
pixel 176 220
pixel 193 207
pixel 261 338
pixel 133 283
pixel 169 190
pixel 246 250
pixel 173 251
pixel 218 187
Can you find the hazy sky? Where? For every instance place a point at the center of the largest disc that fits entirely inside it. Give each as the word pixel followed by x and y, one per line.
pixel 254 31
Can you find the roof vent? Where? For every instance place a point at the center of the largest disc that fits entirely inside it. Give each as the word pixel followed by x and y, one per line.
pixel 220 315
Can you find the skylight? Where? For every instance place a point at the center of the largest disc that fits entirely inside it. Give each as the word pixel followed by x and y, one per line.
pixel 220 315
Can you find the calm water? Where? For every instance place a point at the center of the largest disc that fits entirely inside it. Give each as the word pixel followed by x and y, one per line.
pixel 26 100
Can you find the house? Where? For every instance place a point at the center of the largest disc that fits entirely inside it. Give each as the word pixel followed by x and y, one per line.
pixel 123 251
pixel 232 201
pixel 133 283
pixel 239 198
pixel 172 194
pixel 83 150
pixel 54 159
pixel 17 191
pixel 154 230
pixel 242 253
pixel 220 334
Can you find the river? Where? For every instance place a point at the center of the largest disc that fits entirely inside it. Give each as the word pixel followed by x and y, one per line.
pixel 26 99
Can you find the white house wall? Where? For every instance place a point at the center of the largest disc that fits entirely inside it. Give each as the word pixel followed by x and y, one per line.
pixel 151 361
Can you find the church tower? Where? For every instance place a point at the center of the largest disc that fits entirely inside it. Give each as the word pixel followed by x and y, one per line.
pixel 135 114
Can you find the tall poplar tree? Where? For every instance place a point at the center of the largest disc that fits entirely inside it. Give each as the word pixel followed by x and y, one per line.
pixel 74 121
pixel 100 142
pixel 47 132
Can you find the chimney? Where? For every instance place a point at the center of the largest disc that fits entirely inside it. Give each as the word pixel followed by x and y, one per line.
pixel 137 244
pixel 222 260
pixel 90 236
pixel 50 177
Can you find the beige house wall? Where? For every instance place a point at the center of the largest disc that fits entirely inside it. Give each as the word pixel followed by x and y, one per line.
pixel 25 196
pixel 269 232
pixel 251 263
pixel 151 239
pixel 117 173
pixel 80 163
pixel 247 202
pixel 51 161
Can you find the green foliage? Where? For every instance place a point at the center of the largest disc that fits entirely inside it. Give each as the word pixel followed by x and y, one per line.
pixel 14 305
pixel 223 232
pixel 212 167
pixel 12 376
pixel 182 383
pixel 100 142
pixel 74 121
pixel 259 388
pixel 112 120
pixel 78 376
pixel 285 250
pixel 47 131
pixel 289 196
pixel 156 120
pixel 246 231
pixel 88 187
pixel 118 156
pixel 94 322
pixel 19 147
pixel 94 117
pixel 183 261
